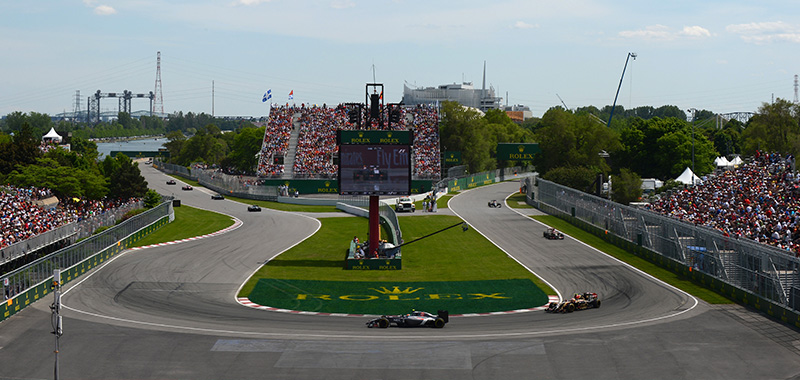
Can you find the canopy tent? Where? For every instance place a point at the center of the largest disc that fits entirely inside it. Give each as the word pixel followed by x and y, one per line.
pixel 687 176
pixel 736 161
pixel 52 136
pixel 722 162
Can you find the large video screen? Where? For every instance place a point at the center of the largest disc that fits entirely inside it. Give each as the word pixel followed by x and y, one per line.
pixel 374 169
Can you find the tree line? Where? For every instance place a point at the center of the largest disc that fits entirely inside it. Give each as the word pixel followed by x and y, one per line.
pixel 576 145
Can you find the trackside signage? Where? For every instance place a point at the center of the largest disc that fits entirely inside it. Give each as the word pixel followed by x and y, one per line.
pixel 517 152
pixel 398 297
pixel 376 137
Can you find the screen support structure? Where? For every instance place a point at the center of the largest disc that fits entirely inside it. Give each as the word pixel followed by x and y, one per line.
pixel 374 223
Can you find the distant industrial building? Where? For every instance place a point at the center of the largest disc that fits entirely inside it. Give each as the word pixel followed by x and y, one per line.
pixel 465 93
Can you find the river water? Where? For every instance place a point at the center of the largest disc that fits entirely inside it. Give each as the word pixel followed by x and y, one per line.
pixel 145 145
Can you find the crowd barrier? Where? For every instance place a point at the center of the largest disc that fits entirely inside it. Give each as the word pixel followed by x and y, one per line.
pixel 754 274
pixel 71 232
pixel 27 284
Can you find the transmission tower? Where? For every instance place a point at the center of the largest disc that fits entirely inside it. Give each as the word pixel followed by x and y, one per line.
pixel 158 105
pixel 795 89
pixel 76 108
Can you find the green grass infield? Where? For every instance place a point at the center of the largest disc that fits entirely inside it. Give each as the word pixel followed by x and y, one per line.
pixel 447 263
pixel 189 222
pixel 394 297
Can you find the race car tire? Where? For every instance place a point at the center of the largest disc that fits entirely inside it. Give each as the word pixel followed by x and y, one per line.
pixel 597 304
pixel 438 323
pixel 383 323
pixel 570 308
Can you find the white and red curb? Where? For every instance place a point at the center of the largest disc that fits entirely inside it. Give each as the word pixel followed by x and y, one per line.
pixel 236 224
pixel 244 301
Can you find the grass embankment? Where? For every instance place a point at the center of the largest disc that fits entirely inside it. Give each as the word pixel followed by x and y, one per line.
pixel 189 222
pixel 662 274
pixel 518 201
pixel 452 255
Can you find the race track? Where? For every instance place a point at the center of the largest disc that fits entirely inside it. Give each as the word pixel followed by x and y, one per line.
pixel 170 313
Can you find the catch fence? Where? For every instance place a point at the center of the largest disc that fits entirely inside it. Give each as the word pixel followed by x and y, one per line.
pixel 736 267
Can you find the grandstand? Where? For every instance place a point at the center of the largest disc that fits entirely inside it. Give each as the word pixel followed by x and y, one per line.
pixel 759 200
pixel 300 142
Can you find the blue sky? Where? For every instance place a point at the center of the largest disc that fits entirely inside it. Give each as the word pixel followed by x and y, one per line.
pixel 724 56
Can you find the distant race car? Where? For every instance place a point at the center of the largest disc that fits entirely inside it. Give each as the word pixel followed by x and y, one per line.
pixel 171 182
pixel 254 208
pixel 217 196
pixel 187 187
pixel 405 204
pixel 577 302
pixel 495 204
pixel 414 319
pixel 553 234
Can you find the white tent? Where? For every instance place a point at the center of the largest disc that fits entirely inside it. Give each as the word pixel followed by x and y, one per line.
pixel 722 162
pixel 736 161
pixel 52 136
pixel 687 176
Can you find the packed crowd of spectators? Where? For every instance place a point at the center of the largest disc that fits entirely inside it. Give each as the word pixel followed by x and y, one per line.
pixel 759 200
pixel 21 218
pixel 316 144
pixel 427 160
pixel 276 140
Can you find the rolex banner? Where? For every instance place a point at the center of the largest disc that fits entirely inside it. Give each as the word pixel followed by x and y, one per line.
pixel 356 297
pixel 516 152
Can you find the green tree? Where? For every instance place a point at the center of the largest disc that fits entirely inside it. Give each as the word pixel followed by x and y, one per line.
pixel 572 140
pixel 151 198
pixel 626 187
pixel 460 130
pixel 774 128
pixel 64 181
pixel 579 177
pixel 126 181
pixel 246 145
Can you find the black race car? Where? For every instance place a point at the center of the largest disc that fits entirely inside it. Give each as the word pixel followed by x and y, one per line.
pixel 187 188
pixel 254 208
pixel 217 196
pixel 577 302
pixel 553 234
pixel 414 319
pixel 171 182
pixel 494 204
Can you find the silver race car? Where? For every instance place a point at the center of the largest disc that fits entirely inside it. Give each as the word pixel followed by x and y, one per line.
pixel 414 319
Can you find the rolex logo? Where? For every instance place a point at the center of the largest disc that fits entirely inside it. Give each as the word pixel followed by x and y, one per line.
pixel 388 134
pixel 521 148
pixel 360 134
pixel 396 290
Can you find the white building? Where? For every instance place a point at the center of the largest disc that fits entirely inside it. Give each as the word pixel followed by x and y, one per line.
pixel 464 93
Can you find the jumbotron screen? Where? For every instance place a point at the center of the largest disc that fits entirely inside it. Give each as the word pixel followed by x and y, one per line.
pixel 374 169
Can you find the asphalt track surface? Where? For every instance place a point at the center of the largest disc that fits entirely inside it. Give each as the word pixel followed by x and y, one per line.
pixel 170 313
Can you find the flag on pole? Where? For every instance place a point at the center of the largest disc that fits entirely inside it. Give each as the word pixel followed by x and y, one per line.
pixel 291 95
pixel 267 96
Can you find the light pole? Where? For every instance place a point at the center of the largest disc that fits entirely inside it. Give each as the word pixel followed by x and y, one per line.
pixel 620 86
pixel 692 110
pixel 56 316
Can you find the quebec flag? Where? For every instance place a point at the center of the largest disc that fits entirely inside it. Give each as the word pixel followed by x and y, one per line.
pixel 267 96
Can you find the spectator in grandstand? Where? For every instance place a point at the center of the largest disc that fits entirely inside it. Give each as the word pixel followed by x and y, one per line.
pixel 759 200
pixel 21 218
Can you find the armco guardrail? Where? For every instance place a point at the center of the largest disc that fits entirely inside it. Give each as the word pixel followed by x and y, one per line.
pixel 751 273
pixel 31 282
